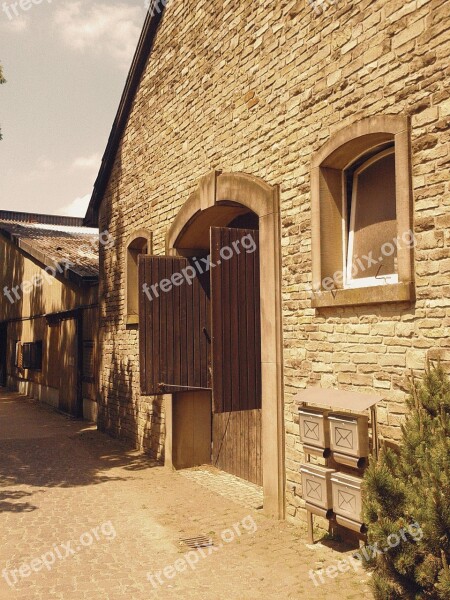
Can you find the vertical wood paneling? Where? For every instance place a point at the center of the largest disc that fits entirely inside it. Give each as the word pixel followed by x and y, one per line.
pixel 172 350
pixel 237 444
pixel 236 355
pixel 218 334
pixel 256 400
pixel 189 336
pixel 236 330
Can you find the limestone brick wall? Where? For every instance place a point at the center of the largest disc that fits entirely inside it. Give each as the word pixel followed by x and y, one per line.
pixel 258 87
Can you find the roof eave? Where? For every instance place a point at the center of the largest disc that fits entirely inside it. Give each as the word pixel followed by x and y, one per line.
pixel 64 271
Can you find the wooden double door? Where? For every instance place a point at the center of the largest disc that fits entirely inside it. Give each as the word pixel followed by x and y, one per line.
pixel 200 332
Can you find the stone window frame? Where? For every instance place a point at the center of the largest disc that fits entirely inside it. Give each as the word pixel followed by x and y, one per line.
pixel 141 237
pixel 327 206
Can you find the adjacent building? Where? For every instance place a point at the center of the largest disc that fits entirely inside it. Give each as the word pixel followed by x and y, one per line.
pixel 49 310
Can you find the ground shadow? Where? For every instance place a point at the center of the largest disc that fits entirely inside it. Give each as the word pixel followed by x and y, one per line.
pixel 43 449
pixel 17 507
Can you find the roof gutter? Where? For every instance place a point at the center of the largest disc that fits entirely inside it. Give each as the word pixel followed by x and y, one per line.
pixel 144 48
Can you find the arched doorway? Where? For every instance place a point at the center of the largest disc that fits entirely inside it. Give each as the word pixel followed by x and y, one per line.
pixel 220 201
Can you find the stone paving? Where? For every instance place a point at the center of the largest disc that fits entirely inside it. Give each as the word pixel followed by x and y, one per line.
pixel 66 489
pixel 245 493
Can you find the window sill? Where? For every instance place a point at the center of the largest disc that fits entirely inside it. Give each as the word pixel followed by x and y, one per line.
pixel 132 320
pixel 396 292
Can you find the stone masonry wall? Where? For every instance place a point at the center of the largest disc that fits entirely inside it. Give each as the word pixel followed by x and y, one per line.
pixel 258 86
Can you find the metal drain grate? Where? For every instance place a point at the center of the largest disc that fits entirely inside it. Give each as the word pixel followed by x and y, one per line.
pixel 201 541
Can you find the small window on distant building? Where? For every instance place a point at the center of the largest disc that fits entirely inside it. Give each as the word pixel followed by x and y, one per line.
pixel 139 245
pixel 371 257
pixel 32 356
pixel 88 361
pixel 18 356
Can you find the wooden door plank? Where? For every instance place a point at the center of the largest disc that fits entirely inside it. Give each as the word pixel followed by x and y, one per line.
pixel 169 324
pixel 226 330
pixel 237 354
pixel 259 470
pixel 196 308
pixel 243 345
pixel 251 308
pixel 257 316
pixel 217 295
pixel 177 342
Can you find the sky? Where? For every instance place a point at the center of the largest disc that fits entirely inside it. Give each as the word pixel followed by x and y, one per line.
pixel 65 62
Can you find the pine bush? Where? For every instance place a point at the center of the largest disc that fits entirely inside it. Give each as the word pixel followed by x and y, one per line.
pixel 409 491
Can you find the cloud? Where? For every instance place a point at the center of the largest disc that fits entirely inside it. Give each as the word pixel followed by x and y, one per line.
pixel 77 208
pixel 44 166
pixel 104 29
pixel 87 162
pixel 17 24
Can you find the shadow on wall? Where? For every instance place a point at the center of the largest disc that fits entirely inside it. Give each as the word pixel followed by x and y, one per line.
pixel 123 412
pixel 12 270
pixel 39 301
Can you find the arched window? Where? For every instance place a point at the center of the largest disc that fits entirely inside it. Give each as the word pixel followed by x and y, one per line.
pixel 138 243
pixel 371 257
pixel 362 238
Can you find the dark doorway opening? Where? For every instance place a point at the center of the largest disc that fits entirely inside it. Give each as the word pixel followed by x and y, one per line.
pixel 3 355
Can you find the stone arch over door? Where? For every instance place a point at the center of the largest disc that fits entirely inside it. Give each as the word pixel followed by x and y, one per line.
pixel 219 198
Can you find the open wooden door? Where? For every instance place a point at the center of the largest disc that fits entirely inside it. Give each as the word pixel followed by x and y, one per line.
pixel 236 352
pixel 174 326
pixel 174 338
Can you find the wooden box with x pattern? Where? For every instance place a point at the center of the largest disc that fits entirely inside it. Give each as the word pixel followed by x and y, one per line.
pixel 347 497
pixel 316 484
pixel 314 428
pixel 349 434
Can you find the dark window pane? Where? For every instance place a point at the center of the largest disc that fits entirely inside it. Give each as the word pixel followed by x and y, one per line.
pixel 32 356
pixel 374 219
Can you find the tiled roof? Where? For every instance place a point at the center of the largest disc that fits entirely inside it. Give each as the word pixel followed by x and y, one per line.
pixel 53 240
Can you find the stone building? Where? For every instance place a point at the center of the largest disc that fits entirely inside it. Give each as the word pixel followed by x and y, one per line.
pixel 49 310
pixel 323 129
